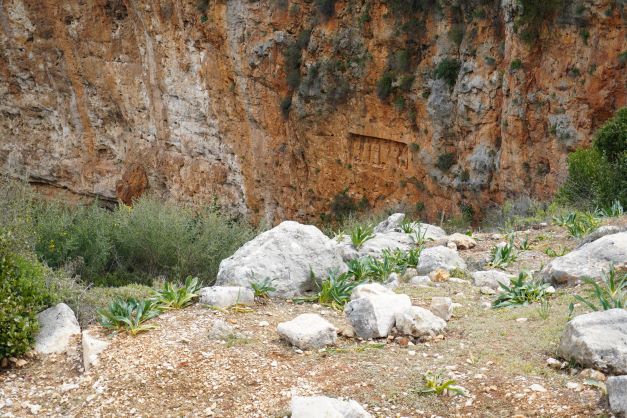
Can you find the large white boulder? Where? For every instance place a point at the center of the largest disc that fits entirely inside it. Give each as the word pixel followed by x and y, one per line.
pixel 617 394
pixel 374 316
pixel 57 326
pixel 597 340
pixel 288 254
pixel 92 347
pixel 324 407
pixel 439 257
pixel 589 260
pixel 419 322
pixel 308 332
pixel 225 296
pixel 393 223
pixel 491 279
pixel 370 289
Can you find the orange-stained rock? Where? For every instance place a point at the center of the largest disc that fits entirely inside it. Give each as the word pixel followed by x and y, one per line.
pixel 194 96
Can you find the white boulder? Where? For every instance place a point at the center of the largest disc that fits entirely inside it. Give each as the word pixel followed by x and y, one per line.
pixel 288 254
pixel 92 347
pixel 374 316
pixel 392 223
pixel 589 260
pixel 324 407
pixel 491 279
pixel 617 394
pixel 225 296
pixel 57 326
pixel 370 289
pixel 439 257
pixel 462 241
pixel 419 322
pixel 597 340
pixel 442 307
pixel 308 332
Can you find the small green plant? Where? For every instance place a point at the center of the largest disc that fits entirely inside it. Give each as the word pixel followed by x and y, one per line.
pixel 504 255
pixel 360 234
pixel 171 296
pixel 336 290
pixel 446 161
pixel 379 270
pixel 263 288
pixel 614 211
pixel 524 244
pixel 384 86
pixel 609 293
pixel 582 224
pixel 407 226
pixel 516 64
pixel 522 291
pixel 419 236
pixel 544 311
pixel 358 269
pixel 129 315
pixel 437 384
pixel 560 251
pixel 447 70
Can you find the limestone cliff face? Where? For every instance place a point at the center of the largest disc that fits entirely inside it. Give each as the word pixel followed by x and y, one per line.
pixel 275 107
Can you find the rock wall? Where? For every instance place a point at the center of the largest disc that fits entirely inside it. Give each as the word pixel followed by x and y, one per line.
pixel 274 107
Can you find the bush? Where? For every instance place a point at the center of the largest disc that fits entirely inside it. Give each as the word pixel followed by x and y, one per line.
pixel 23 293
pixel 326 7
pixel 446 161
pixel 384 86
pixel 534 13
pixel 597 177
pixel 447 70
pixel 516 64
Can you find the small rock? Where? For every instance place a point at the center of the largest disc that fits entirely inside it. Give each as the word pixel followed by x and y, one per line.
pixel 92 347
pixel 263 323
pixel 457 280
pixel 593 374
pixel 572 385
pixel 451 245
pixel 439 275
pixel 550 290
pixel 419 322
pixel 462 241
pixel 554 363
pixel 521 319
pixel 617 394
pixel 374 316
pixel 419 280
pixel 537 388
pixel 442 307
pixel 221 330
pixel 439 257
pixel 490 278
pixel 486 305
pixel 485 290
pixel 66 387
pixel 308 331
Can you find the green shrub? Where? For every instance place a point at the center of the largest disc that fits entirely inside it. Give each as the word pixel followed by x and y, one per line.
pixel 521 292
pixel 286 104
pixel 23 294
pixel 447 70
pixel 173 296
pixel 129 315
pixel 360 234
pixel 611 138
pixel 438 384
pixel 446 161
pixel 456 34
pixel 336 290
pixel 504 255
pixel 610 292
pixel 263 288
pixel 326 7
pixel 516 64
pixel 384 86
pixel 534 14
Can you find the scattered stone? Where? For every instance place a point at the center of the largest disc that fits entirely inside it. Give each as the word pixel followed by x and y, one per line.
pixel 221 330
pixel 92 347
pixel 442 307
pixel 308 332
pixel 522 319
pixel 537 388
pixel 419 322
pixel 225 296
pixel 66 387
pixel 490 278
pixel 573 386
pixel 451 245
pixel 597 340
pixel 589 260
pixel 288 253
pixel 58 325
pixel 370 289
pixel 374 316
pixel 457 280
pixel 324 407
pixel 554 363
pixel 393 281
pixel 419 280
pixel 409 273
pixel 263 323
pixel 486 290
pixel 462 241
pixel 439 275
pixel 617 394
pixel 550 290
pixel 486 305
pixel 593 374
pixel 439 257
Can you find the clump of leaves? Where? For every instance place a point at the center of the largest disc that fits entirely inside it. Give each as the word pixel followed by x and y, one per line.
pixel 560 251
pixel 172 296
pixel 358 268
pixel 263 288
pixel 614 211
pixel 407 226
pixel 360 234
pixel 336 290
pixel 524 244
pixel 504 255
pixel 129 315
pixel 544 311
pixel 580 224
pixel 522 291
pixel 609 293
pixel 436 383
pixel 379 269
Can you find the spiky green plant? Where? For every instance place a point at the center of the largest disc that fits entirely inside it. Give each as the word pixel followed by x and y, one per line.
pixel 173 296
pixel 358 268
pixel 578 224
pixel 263 288
pixel 524 245
pixel 614 211
pixel 610 292
pixel 522 291
pixel 379 269
pixel 336 290
pixel 435 383
pixel 129 315
pixel 504 255
pixel 558 252
pixel 407 226
pixel 360 234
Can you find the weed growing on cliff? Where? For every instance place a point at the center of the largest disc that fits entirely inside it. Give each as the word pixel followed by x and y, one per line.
pixel 384 86
pixel 534 13
pixel 516 64
pixel 446 161
pixel 447 70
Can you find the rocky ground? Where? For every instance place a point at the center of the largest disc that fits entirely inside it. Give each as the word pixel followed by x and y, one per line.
pixel 498 356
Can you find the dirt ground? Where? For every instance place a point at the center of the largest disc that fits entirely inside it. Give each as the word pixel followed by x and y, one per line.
pixel 176 370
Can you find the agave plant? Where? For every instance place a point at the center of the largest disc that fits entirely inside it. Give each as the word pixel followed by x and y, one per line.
pixel 610 292
pixel 336 290
pixel 504 255
pixel 360 234
pixel 263 288
pixel 173 296
pixel 522 291
pixel 129 315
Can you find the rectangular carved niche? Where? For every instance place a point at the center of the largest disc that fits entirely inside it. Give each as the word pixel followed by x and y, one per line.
pixel 376 151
